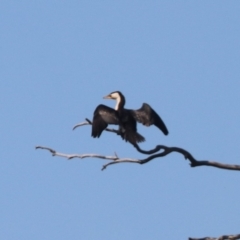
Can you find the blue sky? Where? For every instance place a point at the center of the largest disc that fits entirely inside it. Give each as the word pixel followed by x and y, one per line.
pixel 59 58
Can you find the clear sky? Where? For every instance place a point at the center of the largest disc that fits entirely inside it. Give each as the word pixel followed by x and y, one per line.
pixel 59 58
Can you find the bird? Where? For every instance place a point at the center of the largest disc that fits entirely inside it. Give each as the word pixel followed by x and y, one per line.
pixel 126 119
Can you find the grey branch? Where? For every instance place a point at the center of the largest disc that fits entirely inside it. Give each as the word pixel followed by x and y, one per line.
pixel 165 151
pixel 114 159
pixel 71 156
pixel 224 237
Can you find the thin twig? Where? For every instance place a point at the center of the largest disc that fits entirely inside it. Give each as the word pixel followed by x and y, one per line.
pixel 81 156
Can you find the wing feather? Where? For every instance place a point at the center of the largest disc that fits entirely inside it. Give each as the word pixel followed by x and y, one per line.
pixel 103 115
pixel 147 116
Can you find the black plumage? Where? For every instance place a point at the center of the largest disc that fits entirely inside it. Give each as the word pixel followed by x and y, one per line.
pixel 103 115
pixel 147 116
pixel 126 119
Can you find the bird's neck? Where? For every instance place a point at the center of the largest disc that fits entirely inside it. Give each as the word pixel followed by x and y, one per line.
pixel 120 103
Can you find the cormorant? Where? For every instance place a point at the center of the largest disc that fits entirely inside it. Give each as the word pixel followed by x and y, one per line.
pixel 126 119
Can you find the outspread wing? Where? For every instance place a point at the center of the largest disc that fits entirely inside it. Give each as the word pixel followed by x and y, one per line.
pixel 147 116
pixel 103 115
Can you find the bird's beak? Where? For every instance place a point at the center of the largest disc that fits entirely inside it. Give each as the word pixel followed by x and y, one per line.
pixel 108 97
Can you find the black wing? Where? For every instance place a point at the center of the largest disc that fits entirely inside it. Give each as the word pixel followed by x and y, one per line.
pixel 147 116
pixel 103 115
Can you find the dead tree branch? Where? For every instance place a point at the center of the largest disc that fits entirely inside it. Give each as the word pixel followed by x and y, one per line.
pixel 81 156
pixel 224 237
pixel 165 151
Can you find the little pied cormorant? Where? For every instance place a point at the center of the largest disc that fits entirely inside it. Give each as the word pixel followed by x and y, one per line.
pixel 126 119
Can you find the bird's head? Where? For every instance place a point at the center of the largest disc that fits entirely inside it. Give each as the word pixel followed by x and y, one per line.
pixel 118 96
pixel 114 95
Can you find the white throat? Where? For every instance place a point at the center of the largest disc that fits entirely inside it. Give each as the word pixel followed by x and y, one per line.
pixel 117 104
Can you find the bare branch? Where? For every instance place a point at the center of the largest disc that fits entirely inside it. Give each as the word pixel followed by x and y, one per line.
pixel 71 156
pixel 224 237
pixel 165 151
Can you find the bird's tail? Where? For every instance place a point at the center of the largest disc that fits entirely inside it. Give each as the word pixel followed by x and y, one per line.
pixel 132 137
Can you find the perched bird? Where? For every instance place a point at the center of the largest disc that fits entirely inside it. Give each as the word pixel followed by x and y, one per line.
pixel 126 119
